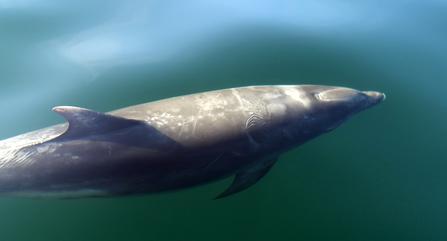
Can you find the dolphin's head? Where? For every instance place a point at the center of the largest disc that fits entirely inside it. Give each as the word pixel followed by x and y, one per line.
pixel 327 107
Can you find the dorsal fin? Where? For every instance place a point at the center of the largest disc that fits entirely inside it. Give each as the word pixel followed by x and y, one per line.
pixel 85 122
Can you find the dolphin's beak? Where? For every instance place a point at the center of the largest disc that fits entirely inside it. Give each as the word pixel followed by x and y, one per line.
pixel 374 98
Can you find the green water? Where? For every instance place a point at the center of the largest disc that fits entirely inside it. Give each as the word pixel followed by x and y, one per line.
pixel 380 176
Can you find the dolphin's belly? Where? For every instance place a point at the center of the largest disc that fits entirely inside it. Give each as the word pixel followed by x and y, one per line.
pixel 108 169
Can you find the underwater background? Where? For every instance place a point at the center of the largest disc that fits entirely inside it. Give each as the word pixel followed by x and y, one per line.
pixel 380 176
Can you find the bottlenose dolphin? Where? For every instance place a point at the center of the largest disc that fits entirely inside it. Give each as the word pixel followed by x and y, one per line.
pixel 175 143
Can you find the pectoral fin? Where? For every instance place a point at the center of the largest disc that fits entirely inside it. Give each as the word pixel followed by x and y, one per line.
pixel 247 178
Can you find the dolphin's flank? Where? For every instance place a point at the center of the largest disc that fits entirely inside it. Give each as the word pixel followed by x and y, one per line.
pixel 175 143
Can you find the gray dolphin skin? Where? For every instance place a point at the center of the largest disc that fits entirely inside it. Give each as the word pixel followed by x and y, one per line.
pixel 175 143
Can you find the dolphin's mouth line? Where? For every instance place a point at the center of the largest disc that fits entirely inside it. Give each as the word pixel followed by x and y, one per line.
pixel 384 98
pixel 330 129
